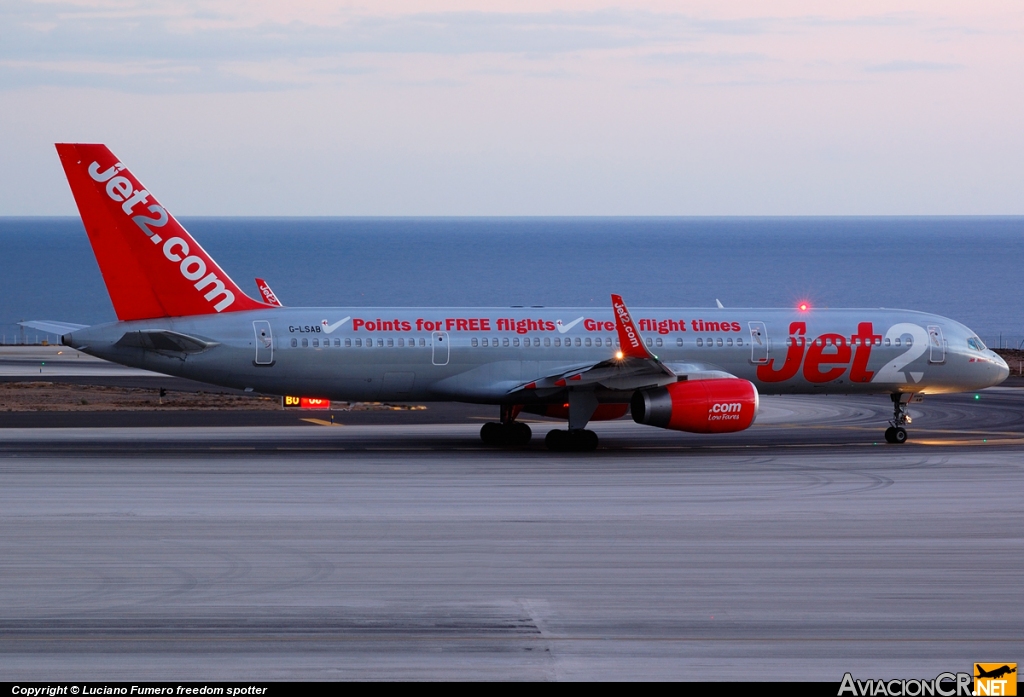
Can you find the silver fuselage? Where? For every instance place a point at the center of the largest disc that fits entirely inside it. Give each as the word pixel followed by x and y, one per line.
pixel 485 355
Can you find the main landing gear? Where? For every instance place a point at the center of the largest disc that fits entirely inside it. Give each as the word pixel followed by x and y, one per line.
pixel 896 433
pixel 508 433
pixel 573 440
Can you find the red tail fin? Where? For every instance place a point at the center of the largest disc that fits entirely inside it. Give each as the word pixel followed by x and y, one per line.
pixel 151 266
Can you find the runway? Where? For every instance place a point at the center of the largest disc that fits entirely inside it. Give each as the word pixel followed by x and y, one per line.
pixel 799 549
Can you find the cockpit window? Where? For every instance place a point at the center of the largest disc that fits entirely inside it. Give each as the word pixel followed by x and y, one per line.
pixel 976 343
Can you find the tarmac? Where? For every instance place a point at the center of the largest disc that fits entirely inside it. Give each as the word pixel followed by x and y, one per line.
pixel 393 545
pixel 798 550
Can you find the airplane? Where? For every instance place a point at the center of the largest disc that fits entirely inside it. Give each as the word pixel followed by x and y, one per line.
pixel 691 370
pixel 995 673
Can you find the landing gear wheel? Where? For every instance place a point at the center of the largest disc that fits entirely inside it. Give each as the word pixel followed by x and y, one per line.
pixel 492 433
pixel 579 440
pixel 556 440
pixel 499 435
pixel 896 433
pixel 517 434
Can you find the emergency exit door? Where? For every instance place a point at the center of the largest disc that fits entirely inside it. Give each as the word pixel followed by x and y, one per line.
pixel 936 345
pixel 439 345
pixel 758 343
pixel 264 342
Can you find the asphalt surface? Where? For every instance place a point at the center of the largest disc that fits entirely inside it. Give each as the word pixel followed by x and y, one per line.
pixel 800 549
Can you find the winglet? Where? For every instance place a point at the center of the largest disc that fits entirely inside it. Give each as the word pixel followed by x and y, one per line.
pixel 629 336
pixel 267 294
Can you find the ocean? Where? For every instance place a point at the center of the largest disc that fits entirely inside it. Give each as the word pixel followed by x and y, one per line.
pixel 966 268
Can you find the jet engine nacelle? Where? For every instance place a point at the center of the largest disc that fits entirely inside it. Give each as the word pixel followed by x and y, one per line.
pixel 698 406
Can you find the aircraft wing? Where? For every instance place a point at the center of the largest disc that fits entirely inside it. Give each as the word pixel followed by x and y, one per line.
pixel 632 367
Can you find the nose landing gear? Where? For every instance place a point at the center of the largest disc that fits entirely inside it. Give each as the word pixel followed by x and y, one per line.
pixel 897 433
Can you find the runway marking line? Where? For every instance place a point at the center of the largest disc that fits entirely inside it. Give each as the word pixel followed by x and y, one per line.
pixel 484 636
pixel 322 422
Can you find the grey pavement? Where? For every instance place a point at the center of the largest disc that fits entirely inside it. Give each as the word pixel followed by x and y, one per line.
pixel 415 553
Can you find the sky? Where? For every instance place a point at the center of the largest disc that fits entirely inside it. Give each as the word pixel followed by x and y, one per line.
pixel 400 108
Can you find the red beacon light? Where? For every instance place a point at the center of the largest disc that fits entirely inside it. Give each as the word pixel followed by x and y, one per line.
pixel 803 307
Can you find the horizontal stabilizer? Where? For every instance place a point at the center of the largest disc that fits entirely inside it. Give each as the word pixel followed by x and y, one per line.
pixel 53 327
pixel 164 340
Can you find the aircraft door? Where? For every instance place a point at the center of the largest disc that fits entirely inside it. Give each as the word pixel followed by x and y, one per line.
pixel 264 342
pixel 936 345
pixel 439 344
pixel 758 343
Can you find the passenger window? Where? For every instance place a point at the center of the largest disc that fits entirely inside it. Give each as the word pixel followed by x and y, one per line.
pixel 359 342
pixel 474 342
pixel 610 342
pixel 483 342
pixel 515 341
pixel 587 342
pixel 679 341
pixel 711 342
pixel 536 341
pixel 380 343
pixel 728 342
pixel 700 342
pixel 504 342
pixel 391 343
pixel 719 342
pixel 305 343
pixel 597 341
pixel 659 342
pixel 579 341
pixel 558 342
pixel 401 342
pixel 337 343
pixel 789 342
pixel 739 342
pixel 909 341
pixel 896 342
pixel 295 342
pixel 348 343
pixel 648 342
pixel 887 342
pixel 547 341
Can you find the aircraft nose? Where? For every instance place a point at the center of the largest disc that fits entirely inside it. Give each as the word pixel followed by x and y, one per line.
pixel 1001 369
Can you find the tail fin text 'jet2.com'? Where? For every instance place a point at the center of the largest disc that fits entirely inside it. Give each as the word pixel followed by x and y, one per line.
pixel 692 370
